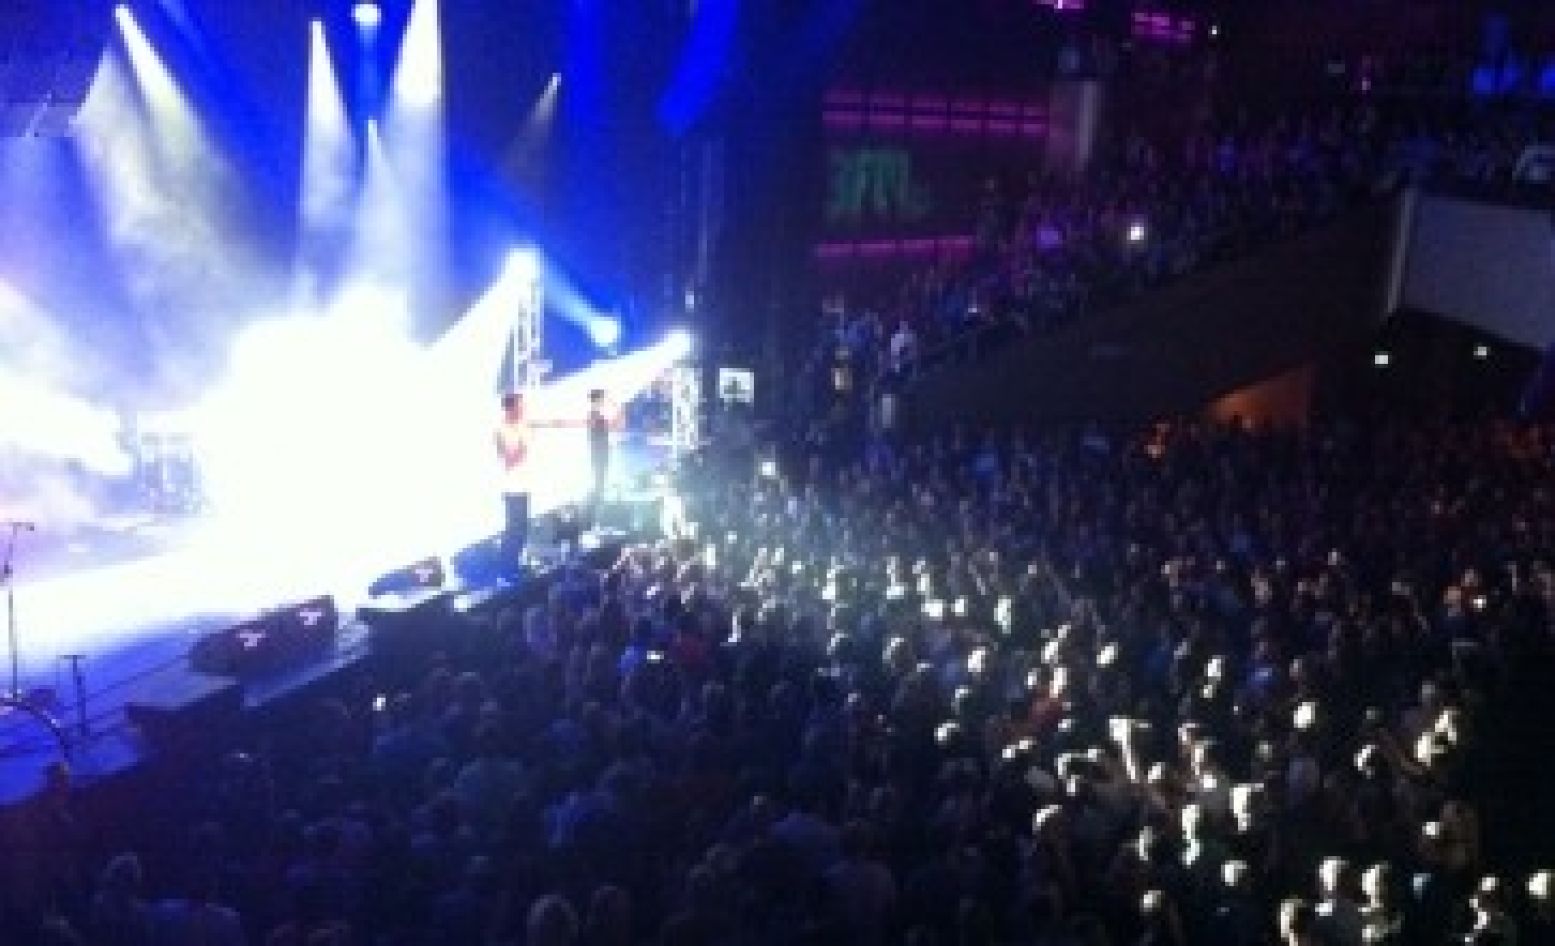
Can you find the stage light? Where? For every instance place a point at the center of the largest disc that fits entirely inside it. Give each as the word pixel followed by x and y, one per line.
pixel 1382 359
pixel 526 153
pixel 605 332
pixel 679 342
pixel 367 16
pixel 1137 232
pixel 1481 352
pixel 543 114
pixel 523 265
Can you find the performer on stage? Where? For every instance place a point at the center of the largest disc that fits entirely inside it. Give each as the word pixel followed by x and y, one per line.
pixel 600 425
pixel 512 441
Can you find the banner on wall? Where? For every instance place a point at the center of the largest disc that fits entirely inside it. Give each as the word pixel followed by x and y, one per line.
pixel 907 174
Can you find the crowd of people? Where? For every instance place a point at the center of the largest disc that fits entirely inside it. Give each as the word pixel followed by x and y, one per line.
pixel 1150 212
pixel 1177 686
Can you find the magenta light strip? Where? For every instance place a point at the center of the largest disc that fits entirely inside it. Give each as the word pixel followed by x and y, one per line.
pixel 934 125
pixel 930 123
pixel 907 247
pixel 888 121
pixel 1163 28
pixel 845 99
pixel 932 113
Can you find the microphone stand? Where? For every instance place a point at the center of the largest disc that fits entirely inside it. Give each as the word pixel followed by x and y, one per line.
pixel 8 578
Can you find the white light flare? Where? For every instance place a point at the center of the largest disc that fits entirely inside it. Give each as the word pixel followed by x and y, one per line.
pixel 286 437
pixel 40 419
pixel 680 343
pixel 523 265
pixel 39 413
pixel 338 427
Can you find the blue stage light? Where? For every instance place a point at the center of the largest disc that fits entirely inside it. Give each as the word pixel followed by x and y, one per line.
pixel 367 15
pixel 605 332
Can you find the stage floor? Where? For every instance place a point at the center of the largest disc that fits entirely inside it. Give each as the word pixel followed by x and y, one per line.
pixel 128 597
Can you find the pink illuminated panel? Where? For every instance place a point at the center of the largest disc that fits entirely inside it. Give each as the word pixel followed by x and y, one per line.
pixel 930 113
pixel 1154 26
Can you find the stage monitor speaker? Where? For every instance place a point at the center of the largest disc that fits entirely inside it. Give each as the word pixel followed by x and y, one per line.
pixel 276 641
pixel 480 565
pixel 427 573
pixel 49 54
pixel 181 708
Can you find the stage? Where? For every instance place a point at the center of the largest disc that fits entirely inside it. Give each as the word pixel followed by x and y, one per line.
pixel 127 597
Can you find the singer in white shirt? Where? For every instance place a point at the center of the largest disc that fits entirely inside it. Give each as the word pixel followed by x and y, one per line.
pixel 513 440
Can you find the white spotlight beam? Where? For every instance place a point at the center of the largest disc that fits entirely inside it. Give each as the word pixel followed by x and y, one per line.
pixel 566 301
pixel 160 185
pixel 622 379
pixel 415 143
pixel 328 154
pixel 474 348
pixel 384 238
pixel 178 135
pixel 524 157
pixel 538 125
pixel 418 78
